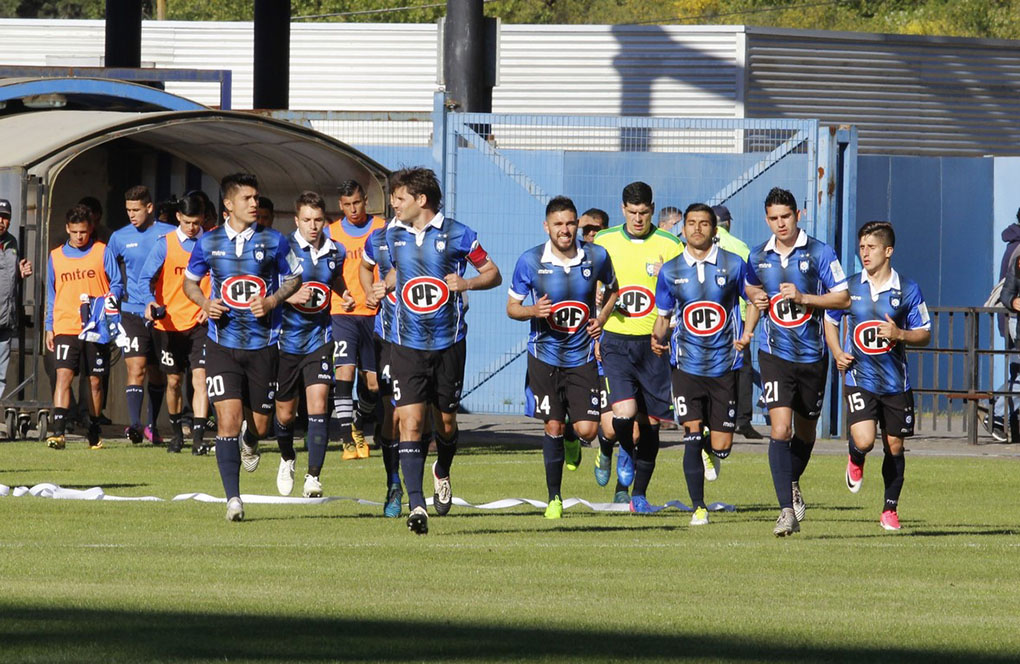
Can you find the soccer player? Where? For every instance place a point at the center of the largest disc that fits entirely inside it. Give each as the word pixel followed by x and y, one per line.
pixel 794 278
pixel 702 288
pixel 266 213
pixel 429 253
pixel 252 271
pixel 306 343
pixel 887 312
pixel 636 378
pixel 77 273
pixel 353 334
pixel 130 246
pixel 562 278
pixel 179 324
pixel 387 428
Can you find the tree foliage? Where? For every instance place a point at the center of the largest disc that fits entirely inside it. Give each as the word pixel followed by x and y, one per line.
pixel 963 18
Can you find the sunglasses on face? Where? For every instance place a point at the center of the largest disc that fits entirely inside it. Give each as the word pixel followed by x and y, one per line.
pixel 589 230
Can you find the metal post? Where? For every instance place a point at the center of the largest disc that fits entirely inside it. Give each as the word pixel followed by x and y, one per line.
pixel 972 376
pixel 272 54
pixel 123 33
pixel 464 56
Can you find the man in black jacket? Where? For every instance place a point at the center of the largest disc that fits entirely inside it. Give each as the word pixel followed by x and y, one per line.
pixel 1008 267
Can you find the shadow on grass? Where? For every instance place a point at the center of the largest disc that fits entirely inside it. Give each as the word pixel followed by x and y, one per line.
pixel 106 635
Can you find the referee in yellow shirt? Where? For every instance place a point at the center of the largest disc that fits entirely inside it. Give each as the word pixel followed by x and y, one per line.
pixel 637 380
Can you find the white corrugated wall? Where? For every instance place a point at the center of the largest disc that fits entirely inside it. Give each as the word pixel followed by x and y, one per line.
pixel 688 71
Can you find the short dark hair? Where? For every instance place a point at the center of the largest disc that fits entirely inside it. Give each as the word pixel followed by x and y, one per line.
pixel 883 230
pixel 266 202
pixel 81 214
pixel 93 204
pixel 350 187
pixel 637 193
pixel 596 213
pixel 235 181
pixel 208 209
pixel 191 205
pixel 780 196
pixel 419 181
pixel 560 204
pixel 140 193
pixel 668 211
pixel 701 207
pixel 311 199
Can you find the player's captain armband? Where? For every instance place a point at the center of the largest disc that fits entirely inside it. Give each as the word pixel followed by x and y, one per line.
pixel 478 256
pixel 837 271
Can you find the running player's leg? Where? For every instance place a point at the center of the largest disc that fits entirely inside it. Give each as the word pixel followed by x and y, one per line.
pixel 155 390
pixel 97 365
pixel 368 384
pixel 807 407
pixel 653 376
pixel 289 385
pixel 689 405
pixel 411 374
pixel 896 416
pixel 345 357
pixel 448 379
pixel 387 434
pixel 317 401
pixel 200 398
pixel 225 386
pixel 135 366
pixel 67 351
pixel 172 349
pixel 543 389
pixel 777 388
pixel 863 420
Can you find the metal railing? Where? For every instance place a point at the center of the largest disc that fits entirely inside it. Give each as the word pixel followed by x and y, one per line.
pixel 960 369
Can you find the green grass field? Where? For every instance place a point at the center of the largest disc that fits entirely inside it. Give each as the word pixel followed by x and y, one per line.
pixel 147 582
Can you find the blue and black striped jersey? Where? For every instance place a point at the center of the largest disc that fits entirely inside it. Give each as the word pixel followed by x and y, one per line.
pixel 705 298
pixel 562 339
pixel 243 266
pixel 880 367
pixel 793 331
pixel 387 309
pixel 307 326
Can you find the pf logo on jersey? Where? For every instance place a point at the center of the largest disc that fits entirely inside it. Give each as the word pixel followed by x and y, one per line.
pixel 704 318
pixel 238 292
pixel 787 313
pixel 318 298
pixel 568 316
pixel 425 295
pixel 635 301
pixel 867 340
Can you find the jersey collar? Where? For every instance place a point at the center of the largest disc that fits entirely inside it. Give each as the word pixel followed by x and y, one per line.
pixel 238 238
pixel 419 236
pixel 801 241
pixel 712 257
pixel 184 238
pixel 892 284
pixel 549 257
pixel 316 254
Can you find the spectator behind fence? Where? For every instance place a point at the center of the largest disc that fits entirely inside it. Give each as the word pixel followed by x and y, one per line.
pixel 12 270
pixel 1008 271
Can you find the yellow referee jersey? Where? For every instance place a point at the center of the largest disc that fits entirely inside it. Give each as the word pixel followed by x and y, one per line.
pixel 634 263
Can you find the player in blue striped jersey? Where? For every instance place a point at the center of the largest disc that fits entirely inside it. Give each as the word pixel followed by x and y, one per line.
pixel 430 254
pixel 253 271
pixel 701 289
pixel 792 278
pixel 887 312
pixel 562 278
pixel 130 246
pixel 306 342
pixel 387 431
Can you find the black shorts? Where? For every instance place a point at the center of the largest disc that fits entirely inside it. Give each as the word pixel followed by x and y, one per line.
pixel 248 375
pixel 893 412
pixel 315 368
pixel 604 405
pixel 553 393
pixel 140 336
pixel 796 385
pixel 633 371
pixel 70 352
pixel 353 337
pixel 710 400
pixel 428 376
pixel 181 350
pixel 382 363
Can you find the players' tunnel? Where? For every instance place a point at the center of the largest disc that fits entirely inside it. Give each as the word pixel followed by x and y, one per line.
pixel 53 158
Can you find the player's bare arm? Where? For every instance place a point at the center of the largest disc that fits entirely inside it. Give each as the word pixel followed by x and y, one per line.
pixel 374 290
pixel 213 308
pixel 757 296
pixel 541 309
pixel 660 335
pixel 488 277
pixel 889 330
pixel 596 324
pixel 842 358
pixel 831 300
pixel 753 316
